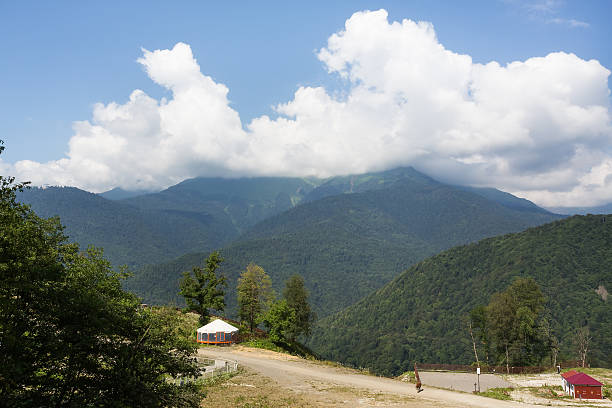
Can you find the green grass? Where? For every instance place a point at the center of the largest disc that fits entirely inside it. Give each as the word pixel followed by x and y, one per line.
pixel 218 379
pixel 287 347
pixel 549 392
pixel 265 344
pixel 498 393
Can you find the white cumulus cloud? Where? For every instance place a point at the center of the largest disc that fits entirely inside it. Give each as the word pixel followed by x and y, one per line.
pixel 540 127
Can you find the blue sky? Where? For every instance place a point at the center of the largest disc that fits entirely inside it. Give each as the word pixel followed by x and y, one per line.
pixel 61 58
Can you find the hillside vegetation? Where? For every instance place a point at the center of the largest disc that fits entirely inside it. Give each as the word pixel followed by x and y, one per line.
pixel 237 203
pixel 195 215
pixel 348 244
pixel 418 316
pixel 129 235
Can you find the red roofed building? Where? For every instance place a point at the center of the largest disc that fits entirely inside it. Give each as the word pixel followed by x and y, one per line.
pixel 565 376
pixel 580 385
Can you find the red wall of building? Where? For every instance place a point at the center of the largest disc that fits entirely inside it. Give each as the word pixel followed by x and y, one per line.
pixel 587 392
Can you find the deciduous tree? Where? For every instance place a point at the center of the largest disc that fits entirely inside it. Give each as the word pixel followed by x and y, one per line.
pixel 69 334
pixel 254 295
pixel 513 319
pixel 480 327
pixel 280 320
pixel 582 339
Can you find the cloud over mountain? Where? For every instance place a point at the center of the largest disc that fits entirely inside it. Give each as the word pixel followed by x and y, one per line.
pixel 540 128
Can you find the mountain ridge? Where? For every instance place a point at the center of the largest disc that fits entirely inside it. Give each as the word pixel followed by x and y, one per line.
pixel 416 316
pixel 366 238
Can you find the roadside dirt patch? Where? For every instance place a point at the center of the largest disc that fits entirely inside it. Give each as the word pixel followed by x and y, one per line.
pixel 250 389
pixel 321 385
pixel 462 381
pixel 534 380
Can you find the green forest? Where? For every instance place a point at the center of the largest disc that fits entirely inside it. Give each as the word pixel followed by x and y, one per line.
pixel 347 245
pixel 360 243
pixel 196 215
pixel 420 315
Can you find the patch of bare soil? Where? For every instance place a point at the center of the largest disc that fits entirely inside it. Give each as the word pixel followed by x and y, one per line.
pixel 249 389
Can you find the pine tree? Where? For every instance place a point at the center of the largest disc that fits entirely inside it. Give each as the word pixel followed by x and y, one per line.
pixel 204 290
pixel 296 295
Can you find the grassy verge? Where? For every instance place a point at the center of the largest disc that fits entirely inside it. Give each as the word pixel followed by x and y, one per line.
pixel 293 348
pixel 218 379
pixel 549 392
pixel 249 390
pixel 498 393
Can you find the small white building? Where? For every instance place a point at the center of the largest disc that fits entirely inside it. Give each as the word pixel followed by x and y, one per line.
pixel 217 332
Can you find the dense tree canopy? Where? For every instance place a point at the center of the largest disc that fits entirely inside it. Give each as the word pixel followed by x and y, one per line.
pixel 280 320
pixel 514 317
pixel 69 334
pixel 418 315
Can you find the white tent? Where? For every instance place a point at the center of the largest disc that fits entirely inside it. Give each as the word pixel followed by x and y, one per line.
pixel 217 332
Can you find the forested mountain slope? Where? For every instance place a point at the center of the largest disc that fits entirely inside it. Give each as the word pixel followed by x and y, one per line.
pixel 195 215
pixel 128 235
pixel 418 316
pixel 237 203
pixel 347 245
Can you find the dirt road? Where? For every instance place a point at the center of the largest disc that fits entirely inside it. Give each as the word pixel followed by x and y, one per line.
pixel 303 377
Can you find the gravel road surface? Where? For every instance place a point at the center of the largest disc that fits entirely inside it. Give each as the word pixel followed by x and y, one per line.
pixel 298 375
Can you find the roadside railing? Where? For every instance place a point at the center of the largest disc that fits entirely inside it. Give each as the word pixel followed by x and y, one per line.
pixel 209 368
pixel 217 368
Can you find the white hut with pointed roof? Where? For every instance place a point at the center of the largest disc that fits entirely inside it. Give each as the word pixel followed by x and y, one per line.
pixel 217 332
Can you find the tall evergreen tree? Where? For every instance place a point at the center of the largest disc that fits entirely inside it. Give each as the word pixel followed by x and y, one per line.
pixel 204 290
pixel 254 295
pixel 296 295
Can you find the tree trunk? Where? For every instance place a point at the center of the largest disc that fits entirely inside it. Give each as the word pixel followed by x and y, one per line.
pixel 507 361
pixel 473 344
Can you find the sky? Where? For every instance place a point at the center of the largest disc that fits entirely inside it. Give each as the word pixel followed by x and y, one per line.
pixel 511 94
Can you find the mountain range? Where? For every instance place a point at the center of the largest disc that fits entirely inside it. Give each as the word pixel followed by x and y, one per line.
pixel 195 215
pixel 346 236
pixel 600 209
pixel 362 244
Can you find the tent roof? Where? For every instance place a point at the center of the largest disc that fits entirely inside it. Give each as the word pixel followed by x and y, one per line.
pixel 217 326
